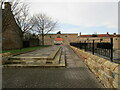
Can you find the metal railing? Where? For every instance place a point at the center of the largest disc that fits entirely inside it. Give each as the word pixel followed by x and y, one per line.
pixel 101 48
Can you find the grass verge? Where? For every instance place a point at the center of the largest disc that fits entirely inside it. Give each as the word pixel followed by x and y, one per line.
pixel 24 49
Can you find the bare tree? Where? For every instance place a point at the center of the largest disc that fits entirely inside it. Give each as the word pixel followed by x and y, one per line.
pixel 44 25
pixel 24 21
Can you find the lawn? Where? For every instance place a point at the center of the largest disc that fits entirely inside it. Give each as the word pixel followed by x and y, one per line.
pixel 24 49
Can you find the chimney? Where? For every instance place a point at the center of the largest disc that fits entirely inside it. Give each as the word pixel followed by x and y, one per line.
pixel 7 5
pixel 107 33
pixel 80 34
pixel 114 33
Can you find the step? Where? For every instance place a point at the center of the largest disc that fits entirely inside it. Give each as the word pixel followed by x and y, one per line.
pixel 56 59
pixel 61 64
pixel 59 60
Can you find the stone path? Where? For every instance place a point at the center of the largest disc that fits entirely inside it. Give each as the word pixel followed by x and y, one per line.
pixel 74 75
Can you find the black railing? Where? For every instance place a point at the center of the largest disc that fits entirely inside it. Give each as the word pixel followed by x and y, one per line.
pixel 101 48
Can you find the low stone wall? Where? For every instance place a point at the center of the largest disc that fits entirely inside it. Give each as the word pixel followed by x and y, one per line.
pixel 5 57
pixel 104 70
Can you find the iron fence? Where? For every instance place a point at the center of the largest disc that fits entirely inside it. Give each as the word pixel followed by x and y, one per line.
pixel 100 48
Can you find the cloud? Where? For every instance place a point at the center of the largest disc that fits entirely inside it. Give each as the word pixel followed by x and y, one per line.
pixel 80 13
pixel 72 0
pixel 86 14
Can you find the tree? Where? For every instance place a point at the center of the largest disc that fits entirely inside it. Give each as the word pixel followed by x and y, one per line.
pixel 59 32
pixel 44 25
pixel 24 21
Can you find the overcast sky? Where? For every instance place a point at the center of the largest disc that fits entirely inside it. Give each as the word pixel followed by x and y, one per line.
pixel 85 16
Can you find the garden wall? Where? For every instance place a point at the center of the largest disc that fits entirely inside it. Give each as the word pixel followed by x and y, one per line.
pixel 106 71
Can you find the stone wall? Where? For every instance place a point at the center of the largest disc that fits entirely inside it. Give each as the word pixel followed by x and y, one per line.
pixel 34 42
pixel 104 70
pixel 11 33
pixel 49 38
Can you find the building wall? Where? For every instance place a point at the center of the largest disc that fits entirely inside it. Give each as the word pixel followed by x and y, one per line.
pixel 11 35
pixel 67 38
pixel 49 39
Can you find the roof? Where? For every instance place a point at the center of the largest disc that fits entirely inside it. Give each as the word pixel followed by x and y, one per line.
pixel 101 35
pixel 64 34
pixel 58 39
pixel 85 35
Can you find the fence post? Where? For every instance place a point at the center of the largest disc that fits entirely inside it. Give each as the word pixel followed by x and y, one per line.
pixel 111 41
pixel 85 46
pixel 93 47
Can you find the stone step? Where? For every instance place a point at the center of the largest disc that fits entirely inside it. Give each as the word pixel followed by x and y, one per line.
pixel 32 60
pixel 24 61
pixel 28 58
pixel 59 60
pixel 56 60
pixel 34 65
pixel 60 64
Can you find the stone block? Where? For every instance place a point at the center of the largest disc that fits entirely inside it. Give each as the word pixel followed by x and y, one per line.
pixel 111 80
pixel 99 72
pixel 116 78
pixel 102 67
pixel 96 69
pixel 108 64
pixel 101 61
pixel 115 84
pixel 6 54
pixel 107 80
pixel 113 66
pixel 108 71
pixel 109 85
pixel 116 70
pixel 114 75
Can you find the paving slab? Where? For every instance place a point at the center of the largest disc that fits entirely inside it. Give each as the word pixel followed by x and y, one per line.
pixel 44 52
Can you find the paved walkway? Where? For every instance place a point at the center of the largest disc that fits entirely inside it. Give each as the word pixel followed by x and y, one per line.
pixel 74 75
pixel 44 52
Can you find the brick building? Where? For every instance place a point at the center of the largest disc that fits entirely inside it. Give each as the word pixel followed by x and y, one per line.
pixel 11 33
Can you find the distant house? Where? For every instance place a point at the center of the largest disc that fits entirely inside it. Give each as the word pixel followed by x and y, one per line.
pixel 11 33
pixel 103 38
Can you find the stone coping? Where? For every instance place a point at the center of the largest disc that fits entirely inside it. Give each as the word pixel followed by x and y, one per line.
pixel 52 55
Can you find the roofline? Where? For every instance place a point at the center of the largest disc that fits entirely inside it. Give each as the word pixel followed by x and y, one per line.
pixel 65 34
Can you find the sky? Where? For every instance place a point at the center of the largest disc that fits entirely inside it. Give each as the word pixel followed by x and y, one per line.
pixel 74 16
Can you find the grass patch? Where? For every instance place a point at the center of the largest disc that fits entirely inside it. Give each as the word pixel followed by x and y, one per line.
pixel 24 49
